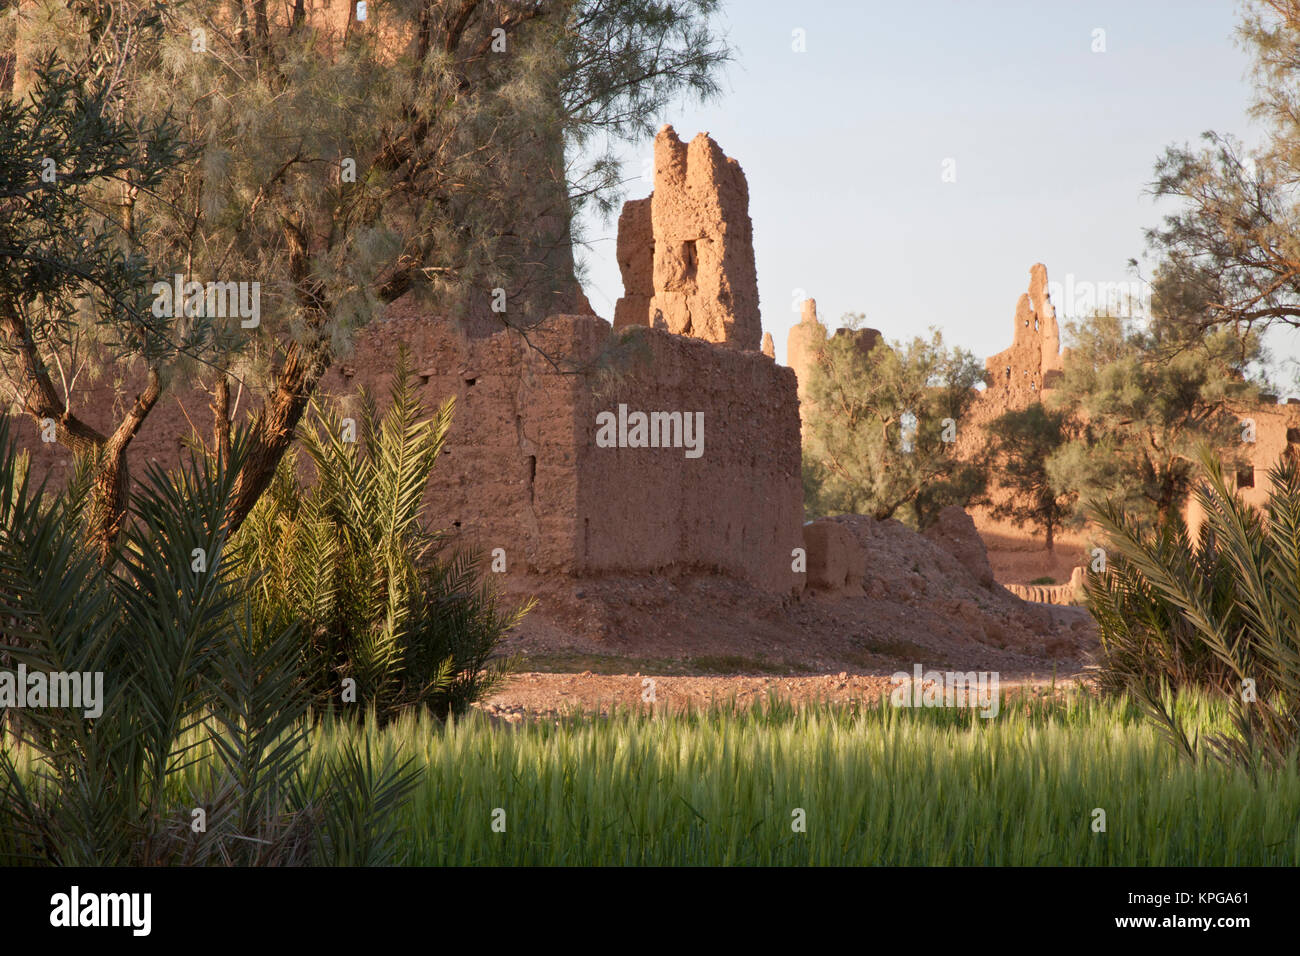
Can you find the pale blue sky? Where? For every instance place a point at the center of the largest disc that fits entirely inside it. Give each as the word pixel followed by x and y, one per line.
pixel 1054 146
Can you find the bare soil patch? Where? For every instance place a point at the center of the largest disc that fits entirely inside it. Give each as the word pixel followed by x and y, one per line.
pixel 703 637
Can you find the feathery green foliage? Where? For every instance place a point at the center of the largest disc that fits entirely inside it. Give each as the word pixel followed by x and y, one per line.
pixel 1227 251
pixel 1021 442
pixel 1146 396
pixel 338 164
pixel 76 265
pixel 381 600
pixel 1223 614
pixel 880 428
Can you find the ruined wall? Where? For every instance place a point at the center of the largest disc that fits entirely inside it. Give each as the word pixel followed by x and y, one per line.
pixel 737 508
pixel 700 246
pixel 1018 377
pixel 636 262
pixel 508 474
pixel 1277 433
pixel 805 341
pixel 1025 373
pixel 522 469
pixel 1033 362
pixel 1071 592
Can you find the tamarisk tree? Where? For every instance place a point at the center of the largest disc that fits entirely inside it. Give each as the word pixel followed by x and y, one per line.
pixel 341 164
pixel 881 427
pixel 75 273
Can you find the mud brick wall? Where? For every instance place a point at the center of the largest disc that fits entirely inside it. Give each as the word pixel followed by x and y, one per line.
pixel 737 508
pixel 521 469
pixel 687 253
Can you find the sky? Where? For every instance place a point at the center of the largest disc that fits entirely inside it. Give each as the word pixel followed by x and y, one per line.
pixel 1048 147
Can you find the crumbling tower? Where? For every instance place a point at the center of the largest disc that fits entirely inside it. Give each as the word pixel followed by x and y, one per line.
pixel 803 343
pixel 1033 362
pixel 687 252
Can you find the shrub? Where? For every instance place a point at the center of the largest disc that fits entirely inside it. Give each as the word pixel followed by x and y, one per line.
pixel 1222 613
pixel 380 599
pixel 202 705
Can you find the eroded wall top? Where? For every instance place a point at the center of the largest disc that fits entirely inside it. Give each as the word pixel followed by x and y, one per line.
pixel 693 241
pixel 1033 362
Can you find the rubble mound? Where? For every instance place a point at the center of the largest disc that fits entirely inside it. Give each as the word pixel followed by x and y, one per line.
pixel 880 598
pixel 955 532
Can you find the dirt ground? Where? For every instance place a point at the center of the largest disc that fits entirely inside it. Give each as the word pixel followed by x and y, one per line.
pixel 1019 558
pixel 700 637
pixel 534 694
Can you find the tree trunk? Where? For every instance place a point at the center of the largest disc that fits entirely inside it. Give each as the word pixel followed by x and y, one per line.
pixel 1166 500
pixel 111 488
pixel 109 496
pixel 273 427
pixel 221 417
pixel 36 396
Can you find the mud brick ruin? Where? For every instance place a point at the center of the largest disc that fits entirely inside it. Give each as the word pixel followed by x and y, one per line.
pixel 1027 371
pixel 521 469
pixel 804 344
pixel 687 252
pixel 1033 363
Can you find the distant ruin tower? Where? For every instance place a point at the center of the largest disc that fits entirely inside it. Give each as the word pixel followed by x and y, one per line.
pixel 809 337
pixel 687 252
pixel 1033 363
pixel 802 345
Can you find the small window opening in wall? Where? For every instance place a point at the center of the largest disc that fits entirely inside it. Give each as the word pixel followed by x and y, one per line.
pixel 532 478
pixel 1008 371
pixel 1246 476
pixel 455 524
pixel 1293 436
pixel 1035 325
